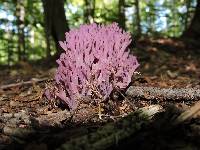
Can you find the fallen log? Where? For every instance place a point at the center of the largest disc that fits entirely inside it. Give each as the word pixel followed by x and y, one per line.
pixel 112 133
pixel 136 91
pixel 163 93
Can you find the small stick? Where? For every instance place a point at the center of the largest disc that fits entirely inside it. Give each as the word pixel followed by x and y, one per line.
pixel 188 113
pixel 32 81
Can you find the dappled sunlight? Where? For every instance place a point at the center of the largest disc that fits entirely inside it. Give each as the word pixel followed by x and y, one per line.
pixel 93 74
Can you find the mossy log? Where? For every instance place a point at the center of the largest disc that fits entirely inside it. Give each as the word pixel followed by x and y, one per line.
pixel 114 132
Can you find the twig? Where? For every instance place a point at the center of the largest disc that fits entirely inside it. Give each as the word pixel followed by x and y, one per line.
pixel 188 113
pixel 163 93
pixel 32 81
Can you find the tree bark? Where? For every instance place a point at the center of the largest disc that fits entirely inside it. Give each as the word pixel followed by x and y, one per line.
pixel 137 7
pixel 20 15
pixel 187 15
pixel 47 38
pixel 89 11
pixel 150 93
pixel 193 31
pixel 56 22
pixel 121 14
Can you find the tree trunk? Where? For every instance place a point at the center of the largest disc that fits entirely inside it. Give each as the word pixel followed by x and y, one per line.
pixel 56 22
pixel 137 7
pixel 48 46
pixel 89 11
pixel 187 15
pixel 193 31
pixel 47 37
pixel 121 14
pixel 20 15
pixel 150 17
pixel 9 52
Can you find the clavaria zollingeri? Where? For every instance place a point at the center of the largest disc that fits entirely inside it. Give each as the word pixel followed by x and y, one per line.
pixel 96 60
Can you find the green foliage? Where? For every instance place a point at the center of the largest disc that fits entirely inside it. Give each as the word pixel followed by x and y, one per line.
pixel 167 18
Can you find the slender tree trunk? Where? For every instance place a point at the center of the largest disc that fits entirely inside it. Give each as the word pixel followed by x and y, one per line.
pixel 47 36
pixel 56 23
pixel 86 11
pixel 89 11
pixel 137 7
pixel 93 10
pixel 193 31
pixel 48 46
pixel 20 15
pixel 150 18
pixel 175 19
pixel 9 43
pixel 188 5
pixel 9 52
pixel 121 14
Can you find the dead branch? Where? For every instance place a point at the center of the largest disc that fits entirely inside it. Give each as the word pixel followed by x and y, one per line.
pixel 163 93
pixel 32 81
pixel 188 114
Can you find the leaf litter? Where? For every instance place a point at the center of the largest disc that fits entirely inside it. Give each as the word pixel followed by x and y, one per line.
pixel 27 117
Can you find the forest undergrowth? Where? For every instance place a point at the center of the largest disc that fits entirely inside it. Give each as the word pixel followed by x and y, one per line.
pixel 29 121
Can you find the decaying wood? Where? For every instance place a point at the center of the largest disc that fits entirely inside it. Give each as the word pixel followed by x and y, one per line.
pixel 32 81
pixel 169 93
pixel 137 91
pixel 113 132
pixel 18 132
pixel 188 113
pixel 163 93
pixel 20 127
pixel 12 122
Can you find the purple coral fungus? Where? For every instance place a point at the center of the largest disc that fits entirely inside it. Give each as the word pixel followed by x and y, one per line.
pixel 95 61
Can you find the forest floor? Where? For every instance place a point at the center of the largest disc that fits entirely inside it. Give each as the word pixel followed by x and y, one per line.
pixel 29 121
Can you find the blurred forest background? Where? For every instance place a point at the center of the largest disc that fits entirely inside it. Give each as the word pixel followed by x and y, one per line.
pixel 166 42
pixel 30 29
